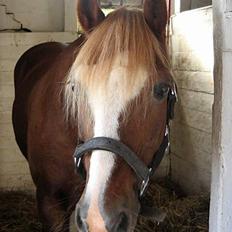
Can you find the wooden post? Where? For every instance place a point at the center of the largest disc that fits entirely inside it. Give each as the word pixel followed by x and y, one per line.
pixel 177 6
pixel 221 188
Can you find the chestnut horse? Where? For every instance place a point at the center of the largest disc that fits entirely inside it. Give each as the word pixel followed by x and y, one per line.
pixel 112 82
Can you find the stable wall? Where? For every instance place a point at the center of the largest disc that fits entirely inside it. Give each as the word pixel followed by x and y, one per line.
pixel 42 15
pixel 192 61
pixel 14 172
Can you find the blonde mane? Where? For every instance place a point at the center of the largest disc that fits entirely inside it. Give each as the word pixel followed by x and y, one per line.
pixel 124 31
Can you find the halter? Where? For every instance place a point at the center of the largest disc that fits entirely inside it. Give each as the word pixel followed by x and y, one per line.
pixel 143 172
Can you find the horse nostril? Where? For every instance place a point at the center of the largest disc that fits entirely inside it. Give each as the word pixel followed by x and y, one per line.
pixel 123 223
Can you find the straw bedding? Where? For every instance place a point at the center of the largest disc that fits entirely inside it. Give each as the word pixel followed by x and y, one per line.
pixel 184 213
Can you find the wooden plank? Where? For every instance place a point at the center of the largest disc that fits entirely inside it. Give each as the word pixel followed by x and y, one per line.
pixel 192 22
pixel 8 142
pixel 14 168
pixel 6 104
pixel 201 102
pixel 197 180
pixel 9 155
pixel 30 39
pixel 7 65
pixel 192 154
pixel 15 48
pixel 17 182
pixel 200 160
pixel 193 118
pixel 190 138
pixel 179 44
pixel 5 117
pixel 228 32
pixel 228 6
pixel 6 131
pixel 196 81
pixel 6 78
pixel 12 51
pixel 189 50
pixel 7 90
pixel 193 60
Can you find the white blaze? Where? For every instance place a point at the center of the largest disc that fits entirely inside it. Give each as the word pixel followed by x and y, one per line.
pixel 106 107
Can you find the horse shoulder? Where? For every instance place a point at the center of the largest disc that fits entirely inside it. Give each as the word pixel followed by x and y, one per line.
pixel 29 72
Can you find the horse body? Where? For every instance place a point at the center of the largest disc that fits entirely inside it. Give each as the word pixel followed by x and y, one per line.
pixel 66 94
pixel 43 137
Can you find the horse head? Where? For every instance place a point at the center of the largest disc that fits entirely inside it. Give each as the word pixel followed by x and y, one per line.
pixel 119 87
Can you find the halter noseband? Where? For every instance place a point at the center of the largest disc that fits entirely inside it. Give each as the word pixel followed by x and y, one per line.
pixel 143 172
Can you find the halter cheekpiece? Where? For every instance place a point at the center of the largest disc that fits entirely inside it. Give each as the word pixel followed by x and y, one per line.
pixel 143 172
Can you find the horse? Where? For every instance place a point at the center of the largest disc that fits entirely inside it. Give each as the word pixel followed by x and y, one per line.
pixel 104 97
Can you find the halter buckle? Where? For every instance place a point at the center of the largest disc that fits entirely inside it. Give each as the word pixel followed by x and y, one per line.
pixel 145 183
pixel 172 99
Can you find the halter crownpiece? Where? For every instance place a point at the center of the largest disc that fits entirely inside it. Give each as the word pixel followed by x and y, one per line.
pixel 143 172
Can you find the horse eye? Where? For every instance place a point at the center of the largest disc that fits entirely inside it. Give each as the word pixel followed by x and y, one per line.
pixel 161 90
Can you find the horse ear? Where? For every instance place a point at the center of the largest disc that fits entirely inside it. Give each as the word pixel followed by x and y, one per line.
pixel 155 13
pixel 89 14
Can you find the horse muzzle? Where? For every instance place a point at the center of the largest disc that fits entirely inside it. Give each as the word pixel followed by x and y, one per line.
pixel 114 216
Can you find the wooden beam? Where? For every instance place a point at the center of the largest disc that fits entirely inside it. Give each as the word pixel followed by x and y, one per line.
pixel 221 188
pixel 176 6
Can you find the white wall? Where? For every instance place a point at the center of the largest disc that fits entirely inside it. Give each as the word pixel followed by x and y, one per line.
pixel 42 15
pixel 192 60
pixel 14 172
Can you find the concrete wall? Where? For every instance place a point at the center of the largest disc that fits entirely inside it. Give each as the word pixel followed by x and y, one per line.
pixel 192 60
pixel 42 15
pixel 14 171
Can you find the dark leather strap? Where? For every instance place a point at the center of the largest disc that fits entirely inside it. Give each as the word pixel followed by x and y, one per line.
pixel 159 155
pixel 116 147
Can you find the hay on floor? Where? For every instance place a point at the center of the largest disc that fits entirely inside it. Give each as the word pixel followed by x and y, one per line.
pixel 184 214
pixel 18 212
